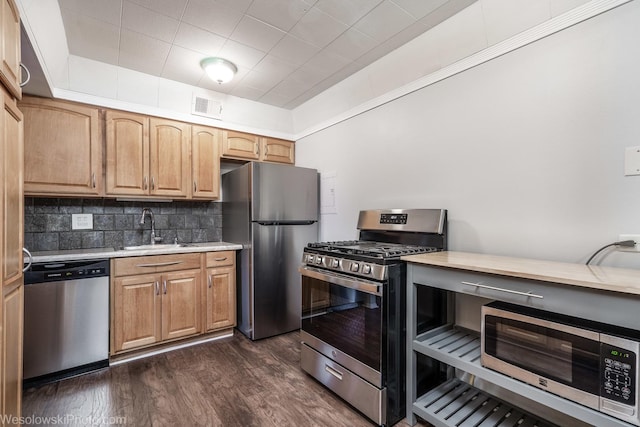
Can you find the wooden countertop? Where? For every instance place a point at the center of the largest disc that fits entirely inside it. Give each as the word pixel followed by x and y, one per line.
pixel 590 276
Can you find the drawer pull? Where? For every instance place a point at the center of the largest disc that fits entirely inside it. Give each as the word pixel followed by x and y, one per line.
pixel 164 285
pixel 157 287
pixel 160 264
pixel 333 372
pixel 210 280
pixel 493 288
pixel 220 259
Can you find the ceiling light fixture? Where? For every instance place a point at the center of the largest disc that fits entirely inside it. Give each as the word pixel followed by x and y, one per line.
pixel 219 69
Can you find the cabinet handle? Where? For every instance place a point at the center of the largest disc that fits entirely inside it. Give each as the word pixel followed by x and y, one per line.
pixel 26 70
pixel 195 186
pixel 93 179
pixel 221 259
pixel 333 372
pixel 144 183
pixel 153 183
pixel 266 150
pixel 157 287
pixel 493 288
pixel 210 280
pixel 257 149
pixel 27 253
pixel 159 264
pixel 164 285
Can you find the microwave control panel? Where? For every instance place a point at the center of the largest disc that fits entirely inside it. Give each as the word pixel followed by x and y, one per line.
pixel 619 372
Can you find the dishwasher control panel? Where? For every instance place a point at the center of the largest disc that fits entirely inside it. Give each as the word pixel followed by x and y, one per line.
pixel 57 271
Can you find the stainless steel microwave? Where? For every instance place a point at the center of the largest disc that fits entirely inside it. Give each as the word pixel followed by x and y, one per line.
pixel 588 362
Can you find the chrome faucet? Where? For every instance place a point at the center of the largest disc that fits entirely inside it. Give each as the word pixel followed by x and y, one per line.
pixel 146 211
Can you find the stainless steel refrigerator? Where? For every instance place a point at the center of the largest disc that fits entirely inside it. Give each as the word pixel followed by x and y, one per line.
pixel 272 210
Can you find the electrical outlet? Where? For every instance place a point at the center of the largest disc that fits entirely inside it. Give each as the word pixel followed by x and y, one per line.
pixel 634 237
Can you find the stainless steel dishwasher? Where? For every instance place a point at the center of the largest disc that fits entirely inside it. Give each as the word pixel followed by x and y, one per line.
pixel 66 319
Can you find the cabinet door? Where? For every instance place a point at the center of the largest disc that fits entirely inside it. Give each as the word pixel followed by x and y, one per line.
pixel 11 213
pixel 278 150
pixel 10 47
pixel 11 357
pixel 136 311
pixel 240 145
pixel 205 162
pixel 63 144
pixel 221 298
pixel 170 167
pixel 127 154
pixel 180 304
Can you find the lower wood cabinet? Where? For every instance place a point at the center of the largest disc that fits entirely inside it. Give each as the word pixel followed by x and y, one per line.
pixel 163 304
pixel 160 298
pixel 11 350
pixel 220 306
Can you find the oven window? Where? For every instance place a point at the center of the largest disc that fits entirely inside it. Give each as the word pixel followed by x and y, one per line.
pixel 344 318
pixel 557 355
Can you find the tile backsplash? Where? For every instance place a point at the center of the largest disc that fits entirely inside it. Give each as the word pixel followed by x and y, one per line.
pixel 47 223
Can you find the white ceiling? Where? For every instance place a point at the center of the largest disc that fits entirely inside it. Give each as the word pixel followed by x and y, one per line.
pixel 286 51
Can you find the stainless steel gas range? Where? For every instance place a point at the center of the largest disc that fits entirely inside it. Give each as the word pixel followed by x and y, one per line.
pixel 354 308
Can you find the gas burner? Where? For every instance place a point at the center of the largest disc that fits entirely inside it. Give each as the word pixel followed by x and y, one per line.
pixel 380 250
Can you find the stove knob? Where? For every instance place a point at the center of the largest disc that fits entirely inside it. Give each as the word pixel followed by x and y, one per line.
pixel 319 260
pixel 335 263
pixel 366 269
pixel 355 267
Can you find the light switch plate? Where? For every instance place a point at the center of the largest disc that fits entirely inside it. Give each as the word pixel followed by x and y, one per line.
pixel 81 221
pixel 632 161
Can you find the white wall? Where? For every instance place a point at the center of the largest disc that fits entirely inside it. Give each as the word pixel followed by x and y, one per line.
pixel 525 151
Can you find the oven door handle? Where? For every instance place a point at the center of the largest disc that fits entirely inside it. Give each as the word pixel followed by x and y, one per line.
pixel 342 280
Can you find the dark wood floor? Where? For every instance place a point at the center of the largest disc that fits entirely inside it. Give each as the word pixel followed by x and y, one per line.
pixel 229 382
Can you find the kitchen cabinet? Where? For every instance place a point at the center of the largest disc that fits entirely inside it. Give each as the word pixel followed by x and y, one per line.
pixel 220 300
pixel 277 150
pixel 10 75
pixel 246 146
pixel 147 156
pixel 11 350
pixel 471 280
pixel 240 145
pixel 155 299
pixel 205 162
pixel 63 148
pixel 11 240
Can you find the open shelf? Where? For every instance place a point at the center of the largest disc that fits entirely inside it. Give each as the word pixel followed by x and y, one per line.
pixel 460 349
pixel 456 403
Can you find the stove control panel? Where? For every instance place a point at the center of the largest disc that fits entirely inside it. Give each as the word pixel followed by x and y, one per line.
pixel 399 219
pixel 358 268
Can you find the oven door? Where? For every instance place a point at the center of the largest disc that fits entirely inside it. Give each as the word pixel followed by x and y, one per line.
pixel 342 319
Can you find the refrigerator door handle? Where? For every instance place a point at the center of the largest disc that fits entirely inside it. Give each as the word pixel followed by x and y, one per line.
pixel 309 222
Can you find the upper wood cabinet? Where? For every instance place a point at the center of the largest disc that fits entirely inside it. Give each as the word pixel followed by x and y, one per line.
pixel 10 47
pixel 147 157
pixel 205 162
pixel 240 145
pixel 246 146
pixel 11 200
pixel 127 171
pixel 277 150
pixel 63 148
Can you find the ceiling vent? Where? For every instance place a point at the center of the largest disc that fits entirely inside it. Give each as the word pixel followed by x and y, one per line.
pixel 206 107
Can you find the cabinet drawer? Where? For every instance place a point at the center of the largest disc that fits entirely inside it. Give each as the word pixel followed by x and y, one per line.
pixel 555 297
pixel 220 258
pixel 155 264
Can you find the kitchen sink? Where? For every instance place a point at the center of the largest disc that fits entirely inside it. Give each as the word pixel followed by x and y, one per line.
pixel 156 247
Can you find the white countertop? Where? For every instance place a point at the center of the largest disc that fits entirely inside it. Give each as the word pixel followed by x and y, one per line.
pixel 100 253
pixel 590 276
